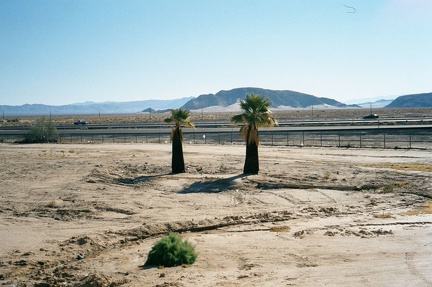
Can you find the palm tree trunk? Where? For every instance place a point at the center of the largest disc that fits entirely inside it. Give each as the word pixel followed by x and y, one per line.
pixel 177 164
pixel 251 165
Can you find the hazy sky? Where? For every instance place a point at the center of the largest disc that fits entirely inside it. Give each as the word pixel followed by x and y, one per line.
pixel 60 52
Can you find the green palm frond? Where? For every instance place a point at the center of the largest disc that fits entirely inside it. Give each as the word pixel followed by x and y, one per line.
pixel 180 117
pixel 238 119
pixel 255 114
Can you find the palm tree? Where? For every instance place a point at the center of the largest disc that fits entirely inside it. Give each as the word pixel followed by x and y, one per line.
pixel 180 118
pixel 255 114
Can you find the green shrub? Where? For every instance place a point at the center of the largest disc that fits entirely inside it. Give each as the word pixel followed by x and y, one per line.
pixel 170 251
pixel 327 175
pixel 388 188
pixel 42 131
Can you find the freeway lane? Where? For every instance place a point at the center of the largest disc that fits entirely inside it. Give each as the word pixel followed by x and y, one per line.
pixel 225 123
pixel 205 130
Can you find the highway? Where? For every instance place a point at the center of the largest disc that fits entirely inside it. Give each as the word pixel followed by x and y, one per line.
pixel 146 128
pixel 343 124
pixel 339 133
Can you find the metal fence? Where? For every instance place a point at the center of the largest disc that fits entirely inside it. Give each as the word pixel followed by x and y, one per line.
pixel 367 138
pixel 355 139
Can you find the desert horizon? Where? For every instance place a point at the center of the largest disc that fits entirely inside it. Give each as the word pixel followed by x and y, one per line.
pixel 198 115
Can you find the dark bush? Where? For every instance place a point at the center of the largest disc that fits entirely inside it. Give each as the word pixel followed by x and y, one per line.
pixel 42 131
pixel 170 251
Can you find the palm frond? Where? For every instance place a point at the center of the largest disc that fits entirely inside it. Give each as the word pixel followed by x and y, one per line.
pixel 265 120
pixel 243 131
pixel 180 117
pixel 255 110
pixel 187 124
pixel 238 119
pixel 255 114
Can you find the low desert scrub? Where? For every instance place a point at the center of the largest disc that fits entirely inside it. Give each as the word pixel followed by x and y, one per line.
pixel 327 175
pixel 388 188
pixel 42 131
pixel 426 208
pixel 51 204
pixel 171 251
pixel 416 166
pixel 383 215
pixel 282 228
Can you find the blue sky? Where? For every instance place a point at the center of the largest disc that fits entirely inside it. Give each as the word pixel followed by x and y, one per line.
pixel 60 52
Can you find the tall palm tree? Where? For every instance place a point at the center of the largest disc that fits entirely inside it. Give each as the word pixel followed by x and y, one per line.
pixel 180 118
pixel 255 114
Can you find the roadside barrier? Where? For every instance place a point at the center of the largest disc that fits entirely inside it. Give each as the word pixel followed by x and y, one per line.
pixel 368 138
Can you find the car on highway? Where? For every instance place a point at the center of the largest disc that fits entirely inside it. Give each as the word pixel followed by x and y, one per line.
pixel 80 122
pixel 371 116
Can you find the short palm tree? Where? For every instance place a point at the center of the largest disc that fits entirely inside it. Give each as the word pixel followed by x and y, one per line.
pixel 180 118
pixel 255 114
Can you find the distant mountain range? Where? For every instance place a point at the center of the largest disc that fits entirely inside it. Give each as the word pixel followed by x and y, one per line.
pixel 412 101
pixel 93 108
pixel 221 101
pixel 285 99
pixel 375 104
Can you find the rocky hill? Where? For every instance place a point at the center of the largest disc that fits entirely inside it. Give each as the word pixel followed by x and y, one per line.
pixel 412 101
pixel 278 98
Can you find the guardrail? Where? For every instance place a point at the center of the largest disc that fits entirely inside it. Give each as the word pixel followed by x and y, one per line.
pixel 419 138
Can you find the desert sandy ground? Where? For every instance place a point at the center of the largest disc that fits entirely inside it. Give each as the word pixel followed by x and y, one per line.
pixel 87 215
